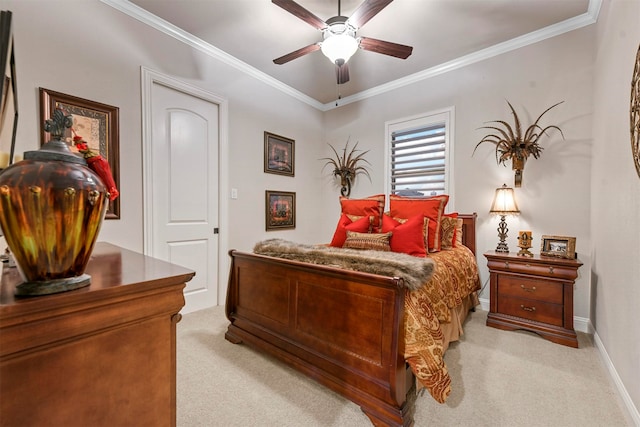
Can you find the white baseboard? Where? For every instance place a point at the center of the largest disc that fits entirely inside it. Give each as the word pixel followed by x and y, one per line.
pixel 622 391
pixel 583 324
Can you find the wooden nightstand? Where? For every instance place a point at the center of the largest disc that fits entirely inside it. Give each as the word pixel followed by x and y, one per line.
pixel 533 293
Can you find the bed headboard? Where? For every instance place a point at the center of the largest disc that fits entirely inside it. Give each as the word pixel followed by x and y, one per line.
pixel 469 230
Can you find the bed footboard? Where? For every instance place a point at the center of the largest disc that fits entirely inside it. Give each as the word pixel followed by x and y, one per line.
pixel 341 328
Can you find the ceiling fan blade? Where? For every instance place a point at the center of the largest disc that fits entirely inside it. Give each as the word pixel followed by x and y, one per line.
pixel 385 48
pixel 367 10
pixel 297 54
pixel 342 73
pixel 302 13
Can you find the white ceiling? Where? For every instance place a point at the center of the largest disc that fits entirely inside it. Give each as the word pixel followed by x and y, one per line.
pixel 442 33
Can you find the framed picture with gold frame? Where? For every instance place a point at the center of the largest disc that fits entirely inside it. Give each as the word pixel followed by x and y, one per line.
pixel 280 208
pixel 558 246
pixel 8 92
pixel 279 154
pixel 97 124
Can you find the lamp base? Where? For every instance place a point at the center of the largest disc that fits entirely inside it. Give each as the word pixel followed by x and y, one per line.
pixel 502 234
pixel 502 247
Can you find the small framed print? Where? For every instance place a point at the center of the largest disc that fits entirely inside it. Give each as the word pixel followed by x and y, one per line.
pixel 279 154
pixel 280 208
pixel 558 246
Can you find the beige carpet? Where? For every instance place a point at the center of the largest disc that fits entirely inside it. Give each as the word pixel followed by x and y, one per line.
pixel 499 378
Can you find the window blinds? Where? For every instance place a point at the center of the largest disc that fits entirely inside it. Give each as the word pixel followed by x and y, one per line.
pixel 418 160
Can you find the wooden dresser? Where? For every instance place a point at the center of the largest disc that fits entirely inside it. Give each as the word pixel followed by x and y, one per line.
pixel 533 293
pixel 103 355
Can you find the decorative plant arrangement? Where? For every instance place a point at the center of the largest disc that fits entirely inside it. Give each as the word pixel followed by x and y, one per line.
pixel 347 166
pixel 512 144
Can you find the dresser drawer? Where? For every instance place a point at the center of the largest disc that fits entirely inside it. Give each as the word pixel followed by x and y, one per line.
pixel 524 267
pixel 532 310
pixel 533 289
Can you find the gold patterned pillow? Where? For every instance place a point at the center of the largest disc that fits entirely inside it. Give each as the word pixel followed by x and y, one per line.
pixel 447 232
pixel 372 241
pixel 458 233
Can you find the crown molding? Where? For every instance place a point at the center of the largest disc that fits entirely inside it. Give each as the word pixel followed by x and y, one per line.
pixel 587 18
pixel 136 12
pixel 171 30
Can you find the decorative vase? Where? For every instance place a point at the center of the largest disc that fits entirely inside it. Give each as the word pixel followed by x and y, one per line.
pixel 51 210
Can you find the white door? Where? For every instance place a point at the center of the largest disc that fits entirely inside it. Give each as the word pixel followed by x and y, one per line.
pixel 181 156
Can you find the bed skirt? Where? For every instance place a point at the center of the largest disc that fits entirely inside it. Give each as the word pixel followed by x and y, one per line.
pixel 453 331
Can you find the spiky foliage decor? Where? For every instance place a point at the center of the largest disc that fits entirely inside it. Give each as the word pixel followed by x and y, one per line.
pixel 347 166
pixel 512 144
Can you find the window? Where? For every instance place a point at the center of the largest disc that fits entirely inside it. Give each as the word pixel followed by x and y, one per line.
pixel 418 154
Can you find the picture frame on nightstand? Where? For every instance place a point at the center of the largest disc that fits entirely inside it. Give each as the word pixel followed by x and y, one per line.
pixel 558 246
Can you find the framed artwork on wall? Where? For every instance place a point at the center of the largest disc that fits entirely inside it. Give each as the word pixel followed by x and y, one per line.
pixel 279 154
pixel 280 209
pixel 8 92
pixel 98 125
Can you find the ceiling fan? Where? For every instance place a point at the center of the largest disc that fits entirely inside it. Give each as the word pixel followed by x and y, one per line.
pixel 339 36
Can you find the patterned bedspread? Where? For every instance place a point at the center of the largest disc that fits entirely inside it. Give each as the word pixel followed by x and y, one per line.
pixel 455 278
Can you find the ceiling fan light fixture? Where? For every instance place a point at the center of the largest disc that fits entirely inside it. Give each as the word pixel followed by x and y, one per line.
pixel 339 47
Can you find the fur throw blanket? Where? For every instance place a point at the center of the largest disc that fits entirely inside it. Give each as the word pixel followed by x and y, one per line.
pixel 413 270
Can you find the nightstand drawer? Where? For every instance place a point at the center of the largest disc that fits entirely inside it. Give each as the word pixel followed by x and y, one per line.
pixel 533 289
pixel 524 267
pixel 534 294
pixel 532 310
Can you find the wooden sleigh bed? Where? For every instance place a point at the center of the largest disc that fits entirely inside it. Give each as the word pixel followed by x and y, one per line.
pixel 343 328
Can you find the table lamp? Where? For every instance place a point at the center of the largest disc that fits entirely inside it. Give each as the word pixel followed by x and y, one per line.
pixel 504 203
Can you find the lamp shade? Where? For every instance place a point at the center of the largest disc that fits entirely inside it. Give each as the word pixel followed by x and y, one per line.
pixel 504 202
pixel 339 47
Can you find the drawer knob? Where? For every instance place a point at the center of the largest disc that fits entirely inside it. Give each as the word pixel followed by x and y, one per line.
pixel 531 289
pixel 527 308
pixel 551 270
pixel 506 264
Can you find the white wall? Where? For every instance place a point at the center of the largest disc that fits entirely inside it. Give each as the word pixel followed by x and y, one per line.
pixel 90 50
pixel 555 193
pixel 615 204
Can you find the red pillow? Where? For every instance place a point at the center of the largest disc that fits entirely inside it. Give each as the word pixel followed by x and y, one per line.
pixel 406 237
pixel 369 206
pixel 431 207
pixel 344 223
